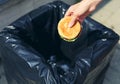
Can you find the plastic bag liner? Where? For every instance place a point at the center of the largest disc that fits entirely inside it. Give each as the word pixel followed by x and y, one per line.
pixel 33 52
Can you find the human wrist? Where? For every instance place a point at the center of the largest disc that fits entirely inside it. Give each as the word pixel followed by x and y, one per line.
pixel 91 1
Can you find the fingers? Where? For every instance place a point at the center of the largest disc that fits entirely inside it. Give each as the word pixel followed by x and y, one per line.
pixel 72 22
pixel 78 17
pixel 81 10
pixel 78 12
pixel 69 12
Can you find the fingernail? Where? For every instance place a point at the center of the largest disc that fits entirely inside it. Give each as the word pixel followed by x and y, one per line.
pixel 70 25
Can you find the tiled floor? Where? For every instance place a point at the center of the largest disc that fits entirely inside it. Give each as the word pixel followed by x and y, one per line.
pixel 108 14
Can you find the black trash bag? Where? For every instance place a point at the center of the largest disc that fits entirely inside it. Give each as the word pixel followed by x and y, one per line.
pixel 33 52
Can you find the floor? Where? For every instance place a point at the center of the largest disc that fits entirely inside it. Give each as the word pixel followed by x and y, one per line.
pixel 107 13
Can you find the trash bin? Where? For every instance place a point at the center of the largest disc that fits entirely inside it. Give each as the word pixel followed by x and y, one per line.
pixel 33 52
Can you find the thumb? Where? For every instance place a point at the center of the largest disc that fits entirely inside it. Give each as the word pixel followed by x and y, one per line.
pixel 72 22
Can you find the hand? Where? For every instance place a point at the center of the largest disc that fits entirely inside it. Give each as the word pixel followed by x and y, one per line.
pixel 81 10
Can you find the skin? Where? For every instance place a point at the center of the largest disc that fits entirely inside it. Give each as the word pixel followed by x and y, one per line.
pixel 81 10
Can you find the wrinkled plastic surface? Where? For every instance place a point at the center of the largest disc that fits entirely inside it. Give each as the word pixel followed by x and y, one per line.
pixel 33 52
